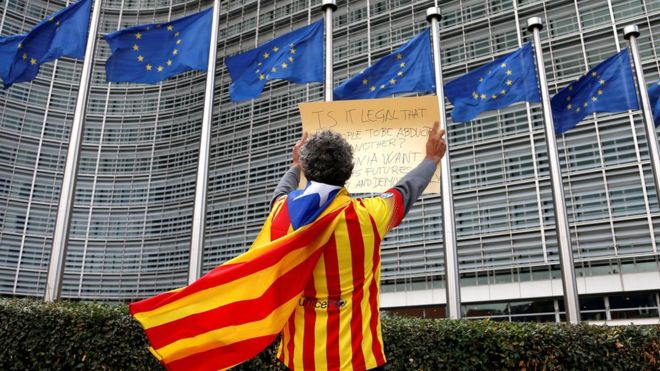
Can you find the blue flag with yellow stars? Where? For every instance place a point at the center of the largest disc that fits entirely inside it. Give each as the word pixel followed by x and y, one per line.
pixel 151 53
pixel 407 69
pixel 296 56
pixel 509 79
pixel 654 97
pixel 63 34
pixel 608 87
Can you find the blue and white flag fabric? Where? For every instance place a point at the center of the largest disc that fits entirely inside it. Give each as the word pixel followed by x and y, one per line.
pixel 306 205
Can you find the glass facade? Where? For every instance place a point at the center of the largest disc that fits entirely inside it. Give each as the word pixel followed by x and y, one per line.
pixel 132 218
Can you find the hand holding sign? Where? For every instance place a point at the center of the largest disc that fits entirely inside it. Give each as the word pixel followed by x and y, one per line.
pixel 296 150
pixel 435 144
pixel 389 137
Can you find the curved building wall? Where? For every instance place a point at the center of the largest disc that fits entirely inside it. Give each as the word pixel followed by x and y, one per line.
pixel 132 219
pixel 130 228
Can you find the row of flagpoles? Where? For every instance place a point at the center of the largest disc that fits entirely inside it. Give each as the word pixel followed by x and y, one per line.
pixel 151 53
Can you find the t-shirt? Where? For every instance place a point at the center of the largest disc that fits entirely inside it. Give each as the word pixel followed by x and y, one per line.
pixel 336 324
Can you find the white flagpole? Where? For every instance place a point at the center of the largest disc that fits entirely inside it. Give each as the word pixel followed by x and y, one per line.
pixel 329 6
pixel 631 33
pixel 199 209
pixel 571 302
pixel 63 221
pixel 452 283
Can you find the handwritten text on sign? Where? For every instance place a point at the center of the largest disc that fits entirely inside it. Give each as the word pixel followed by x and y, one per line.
pixel 388 136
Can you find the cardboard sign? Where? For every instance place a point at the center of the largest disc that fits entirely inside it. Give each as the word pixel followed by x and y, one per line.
pixel 388 136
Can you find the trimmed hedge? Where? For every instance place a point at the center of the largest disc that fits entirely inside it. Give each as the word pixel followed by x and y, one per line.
pixel 72 335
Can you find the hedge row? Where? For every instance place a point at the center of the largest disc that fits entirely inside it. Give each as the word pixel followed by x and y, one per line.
pixel 69 335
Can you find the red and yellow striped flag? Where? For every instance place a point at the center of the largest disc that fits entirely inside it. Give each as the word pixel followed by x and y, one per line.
pixel 236 310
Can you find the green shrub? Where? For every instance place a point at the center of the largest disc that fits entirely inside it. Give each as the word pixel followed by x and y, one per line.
pixel 70 335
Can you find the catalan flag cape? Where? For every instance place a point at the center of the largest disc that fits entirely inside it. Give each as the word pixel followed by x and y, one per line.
pixel 236 310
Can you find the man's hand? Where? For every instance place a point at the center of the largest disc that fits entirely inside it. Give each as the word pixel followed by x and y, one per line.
pixel 296 151
pixel 435 144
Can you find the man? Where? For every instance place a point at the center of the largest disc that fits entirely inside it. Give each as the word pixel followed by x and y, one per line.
pixel 311 275
pixel 336 324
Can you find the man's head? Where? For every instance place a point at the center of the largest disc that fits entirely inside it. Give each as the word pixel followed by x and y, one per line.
pixel 327 158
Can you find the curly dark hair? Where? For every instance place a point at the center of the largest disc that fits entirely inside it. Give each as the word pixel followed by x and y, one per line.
pixel 326 157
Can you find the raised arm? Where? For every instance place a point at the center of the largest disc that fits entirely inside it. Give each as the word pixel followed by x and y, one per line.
pixel 291 178
pixel 413 184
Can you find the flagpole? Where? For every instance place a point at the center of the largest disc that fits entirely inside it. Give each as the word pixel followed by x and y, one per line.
pixel 199 209
pixel 63 221
pixel 571 302
pixel 452 286
pixel 329 6
pixel 631 33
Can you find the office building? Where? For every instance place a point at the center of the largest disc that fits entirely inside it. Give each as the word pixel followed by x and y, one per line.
pixel 131 222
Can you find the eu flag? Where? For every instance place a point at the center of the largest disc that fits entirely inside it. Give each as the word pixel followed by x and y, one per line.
pixel 296 56
pixel 509 79
pixel 654 96
pixel 407 69
pixel 63 34
pixel 151 53
pixel 608 87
